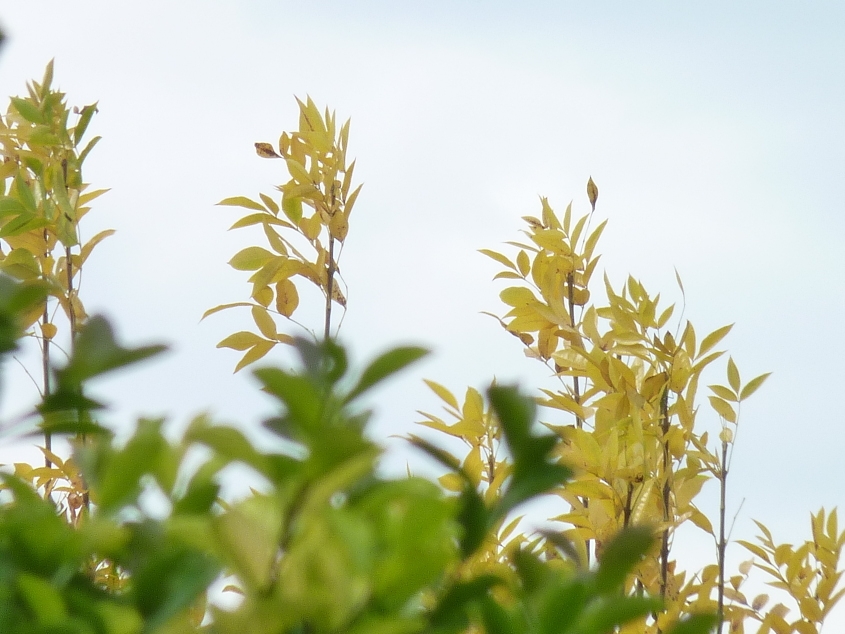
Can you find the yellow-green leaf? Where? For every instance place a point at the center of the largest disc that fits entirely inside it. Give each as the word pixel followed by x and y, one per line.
pixel 443 393
pixel 714 338
pixel 217 309
pixel 270 203
pixel 723 408
pixel 733 375
pixel 251 259
pixel 723 392
pixel 501 259
pixel 752 385
pixel 242 201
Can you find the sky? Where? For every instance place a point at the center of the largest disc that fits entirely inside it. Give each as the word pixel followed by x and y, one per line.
pixel 714 132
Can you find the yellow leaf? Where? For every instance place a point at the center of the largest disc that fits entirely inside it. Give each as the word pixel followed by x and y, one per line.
pixel 759 602
pixel 593 239
pixel 287 297
pixel 723 392
pixel 713 338
pixel 255 353
pixel 311 227
pixel 264 322
pixel 723 408
pixel 263 295
pixel 48 330
pixel 451 482
pixel 810 610
pixel 297 171
pixel 517 296
pixel 523 263
pixel 270 203
pixel 339 226
pixel 241 201
pixel 726 435
pixel 443 393
pixel 501 259
pixel 733 375
pixel 240 340
pixel 350 202
pixel 217 309
pixel 250 259
pixel 337 295
pixel 700 519
pixel 752 385
pixel 681 369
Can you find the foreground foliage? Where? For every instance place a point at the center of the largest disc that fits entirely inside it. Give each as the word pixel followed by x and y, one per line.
pixel 131 537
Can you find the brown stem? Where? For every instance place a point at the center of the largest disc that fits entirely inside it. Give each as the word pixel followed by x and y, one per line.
pixel 45 369
pixel 576 389
pixel 667 491
pixel 722 547
pixel 329 290
pixel 71 312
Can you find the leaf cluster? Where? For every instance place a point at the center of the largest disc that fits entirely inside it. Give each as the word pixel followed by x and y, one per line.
pixel 302 230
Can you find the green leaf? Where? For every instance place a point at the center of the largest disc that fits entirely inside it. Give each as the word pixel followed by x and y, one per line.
pixel 292 206
pixel 84 153
pixel 24 223
pixel 120 481
pixel 752 385
pixel 226 442
pixel 96 352
pixel 701 623
pixel 28 110
pixel 24 194
pixel 84 120
pixel 20 263
pixel 304 403
pixel 9 205
pixel 383 366
pixel 43 599
pixel 242 201
pixel 620 556
pixel 604 616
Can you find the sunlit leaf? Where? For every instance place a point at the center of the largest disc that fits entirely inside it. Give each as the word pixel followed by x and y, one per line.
pixel 753 385
pixel 242 201
pixel 713 339
pixel 733 375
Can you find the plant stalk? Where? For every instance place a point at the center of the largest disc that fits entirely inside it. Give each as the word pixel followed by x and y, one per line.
pixel 329 290
pixel 722 547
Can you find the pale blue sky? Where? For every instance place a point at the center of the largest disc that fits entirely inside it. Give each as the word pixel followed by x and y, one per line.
pixel 715 133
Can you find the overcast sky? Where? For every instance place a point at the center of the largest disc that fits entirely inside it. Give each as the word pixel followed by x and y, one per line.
pixel 715 133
